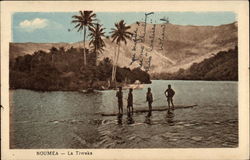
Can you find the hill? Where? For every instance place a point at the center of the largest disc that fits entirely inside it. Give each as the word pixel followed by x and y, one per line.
pixel 222 66
pixel 183 46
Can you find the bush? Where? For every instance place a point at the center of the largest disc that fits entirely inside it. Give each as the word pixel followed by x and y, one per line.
pixel 64 70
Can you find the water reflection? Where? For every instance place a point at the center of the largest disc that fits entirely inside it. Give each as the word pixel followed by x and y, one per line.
pixel 130 119
pixel 119 119
pixel 170 118
pixel 148 119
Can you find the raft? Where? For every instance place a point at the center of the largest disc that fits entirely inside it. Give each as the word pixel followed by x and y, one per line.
pixel 145 109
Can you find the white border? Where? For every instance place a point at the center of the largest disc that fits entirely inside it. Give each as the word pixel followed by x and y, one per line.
pixel 239 7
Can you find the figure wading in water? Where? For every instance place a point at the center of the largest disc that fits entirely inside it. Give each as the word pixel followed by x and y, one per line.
pixel 130 102
pixel 149 99
pixel 119 96
pixel 169 93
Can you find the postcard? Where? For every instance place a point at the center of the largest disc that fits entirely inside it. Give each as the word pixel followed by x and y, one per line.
pixel 124 80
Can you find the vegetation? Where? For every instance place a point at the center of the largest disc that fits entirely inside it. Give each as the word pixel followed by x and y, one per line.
pixel 61 69
pixel 83 22
pixel 222 66
pixel 119 34
pixel 96 42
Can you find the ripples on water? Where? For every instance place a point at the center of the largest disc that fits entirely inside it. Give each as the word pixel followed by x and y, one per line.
pixel 71 119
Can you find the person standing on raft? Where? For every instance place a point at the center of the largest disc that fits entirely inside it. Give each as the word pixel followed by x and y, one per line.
pixel 130 102
pixel 169 93
pixel 149 99
pixel 119 96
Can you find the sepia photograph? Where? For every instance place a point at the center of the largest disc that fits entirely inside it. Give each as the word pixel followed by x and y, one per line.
pixel 86 79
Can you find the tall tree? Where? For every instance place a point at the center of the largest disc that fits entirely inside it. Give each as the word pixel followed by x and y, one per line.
pixel 53 52
pixel 118 34
pixel 96 34
pixel 62 50
pixel 83 22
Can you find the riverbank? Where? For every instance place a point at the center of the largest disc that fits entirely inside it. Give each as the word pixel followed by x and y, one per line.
pixel 30 83
pixel 67 85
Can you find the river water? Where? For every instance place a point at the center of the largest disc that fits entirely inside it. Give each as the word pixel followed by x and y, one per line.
pixel 72 120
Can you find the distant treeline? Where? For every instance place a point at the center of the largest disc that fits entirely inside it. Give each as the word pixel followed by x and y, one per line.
pixel 61 69
pixel 222 66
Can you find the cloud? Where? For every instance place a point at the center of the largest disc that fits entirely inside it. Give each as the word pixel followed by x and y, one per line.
pixel 31 25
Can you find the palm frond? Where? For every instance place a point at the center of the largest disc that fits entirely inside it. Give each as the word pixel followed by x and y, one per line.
pixel 96 34
pixel 85 18
pixel 77 25
pixel 76 17
pixel 120 33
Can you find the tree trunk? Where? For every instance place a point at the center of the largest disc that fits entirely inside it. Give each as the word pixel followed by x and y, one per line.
pixel 117 61
pixel 113 68
pixel 95 52
pixel 84 54
pixel 52 59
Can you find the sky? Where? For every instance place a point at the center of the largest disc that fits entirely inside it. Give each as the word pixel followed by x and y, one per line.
pixel 53 27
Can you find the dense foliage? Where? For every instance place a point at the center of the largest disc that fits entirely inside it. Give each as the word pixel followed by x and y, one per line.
pixel 61 69
pixel 222 66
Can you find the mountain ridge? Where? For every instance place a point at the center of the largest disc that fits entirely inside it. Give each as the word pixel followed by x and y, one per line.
pixel 183 46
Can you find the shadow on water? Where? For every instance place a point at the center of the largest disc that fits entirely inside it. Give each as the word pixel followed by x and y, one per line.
pixel 148 119
pixel 170 118
pixel 130 119
pixel 119 119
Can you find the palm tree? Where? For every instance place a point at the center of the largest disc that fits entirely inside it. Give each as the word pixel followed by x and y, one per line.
pixel 96 42
pixel 62 50
pixel 119 34
pixel 53 51
pixel 83 22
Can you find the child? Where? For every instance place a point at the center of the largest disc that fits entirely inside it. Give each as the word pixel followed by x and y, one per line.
pixel 130 102
pixel 170 94
pixel 149 99
pixel 119 98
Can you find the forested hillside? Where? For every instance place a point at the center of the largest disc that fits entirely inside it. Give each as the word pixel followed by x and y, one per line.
pixel 61 69
pixel 221 66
